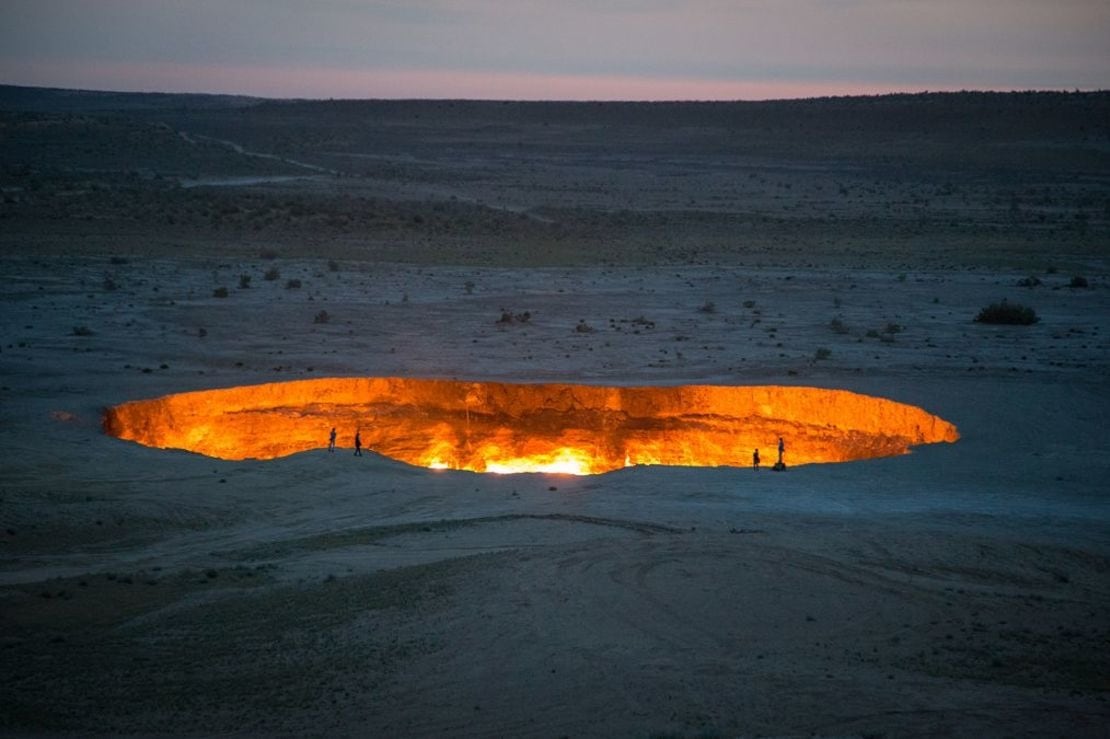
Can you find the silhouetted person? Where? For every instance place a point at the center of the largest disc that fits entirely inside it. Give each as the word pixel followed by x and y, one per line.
pixel 755 459
pixel 782 448
pixel 358 443
pixel 331 440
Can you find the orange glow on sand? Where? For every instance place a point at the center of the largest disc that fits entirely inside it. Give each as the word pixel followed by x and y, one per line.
pixel 506 427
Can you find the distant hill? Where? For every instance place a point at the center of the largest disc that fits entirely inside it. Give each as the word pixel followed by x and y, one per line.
pixel 972 132
pixel 14 98
pixel 934 105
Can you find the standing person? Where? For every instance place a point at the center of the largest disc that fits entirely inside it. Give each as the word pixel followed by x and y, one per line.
pixel 755 459
pixel 782 448
pixel 358 443
pixel 331 440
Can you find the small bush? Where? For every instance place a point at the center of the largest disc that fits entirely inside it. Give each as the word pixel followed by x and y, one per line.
pixel 1007 313
pixel 322 317
pixel 822 353
pixel 333 265
pixel 244 282
pixel 838 326
pixel 1029 281
pixel 1078 281
pixel 82 331
pixel 219 292
pixel 271 274
pixel 749 304
pixel 508 317
pixel 892 328
pixel 293 284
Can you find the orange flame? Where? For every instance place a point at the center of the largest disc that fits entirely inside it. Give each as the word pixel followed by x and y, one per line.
pixel 507 427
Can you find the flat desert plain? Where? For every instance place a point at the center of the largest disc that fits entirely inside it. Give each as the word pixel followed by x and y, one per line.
pixel 962 589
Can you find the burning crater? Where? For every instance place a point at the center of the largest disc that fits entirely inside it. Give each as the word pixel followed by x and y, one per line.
pixel 504 427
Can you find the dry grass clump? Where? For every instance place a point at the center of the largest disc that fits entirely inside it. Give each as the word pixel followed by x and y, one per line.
pixel 508 317
pixel 271 274
pixel 1004 312
pixel 322 317
pixel 219 292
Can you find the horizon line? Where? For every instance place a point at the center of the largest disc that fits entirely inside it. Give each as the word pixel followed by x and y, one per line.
pixel 893 92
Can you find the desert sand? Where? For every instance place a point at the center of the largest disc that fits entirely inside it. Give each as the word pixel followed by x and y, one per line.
pixel 959 590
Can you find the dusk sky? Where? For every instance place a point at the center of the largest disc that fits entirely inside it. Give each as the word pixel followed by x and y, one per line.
pixel 567 49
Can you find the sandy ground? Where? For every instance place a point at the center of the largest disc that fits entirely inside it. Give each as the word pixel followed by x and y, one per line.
pixel 960 590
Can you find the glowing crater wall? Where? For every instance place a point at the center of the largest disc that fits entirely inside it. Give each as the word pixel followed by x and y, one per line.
pixel 507 427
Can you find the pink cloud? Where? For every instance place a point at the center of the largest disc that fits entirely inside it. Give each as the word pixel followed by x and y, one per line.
pixel 317 82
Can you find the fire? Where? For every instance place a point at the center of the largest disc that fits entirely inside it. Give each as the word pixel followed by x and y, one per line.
pixel 563 462
pixel 553 428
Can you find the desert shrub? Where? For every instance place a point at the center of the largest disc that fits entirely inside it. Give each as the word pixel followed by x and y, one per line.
pixel 583 327
pixel 333 265
pixel 892 328
pixel 292 284
pixel 822 353
pixel 1029 281
pixel 509 317
pixel 219 292
pixel 708 307
pixel 1078 281
pixel 271 274
pixel 1007 313
pixel 82 331
pixel 838 326
pixel 749 304
pixel 244 282
pixel 322 317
